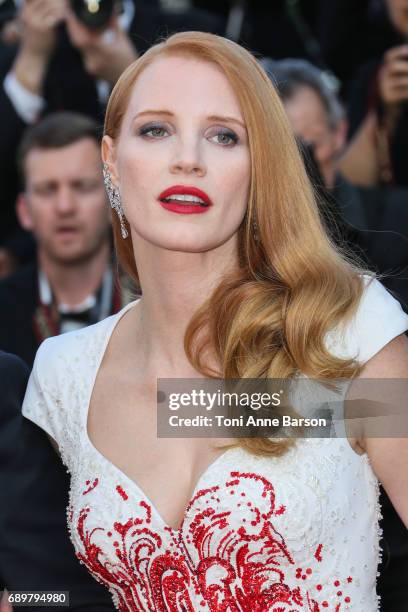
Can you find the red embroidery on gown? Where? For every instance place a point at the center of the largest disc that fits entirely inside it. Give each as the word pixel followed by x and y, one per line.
pixel 90 486
pixel 208 560
pixel 122 493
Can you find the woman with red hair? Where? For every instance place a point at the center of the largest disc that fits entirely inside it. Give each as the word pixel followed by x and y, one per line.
pixel 215 218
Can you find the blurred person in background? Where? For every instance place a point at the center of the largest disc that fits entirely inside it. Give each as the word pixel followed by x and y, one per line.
pixel 373 221
pixel 43 72
pixel 314 111
pixel 36 553
pixel 318 120
pixel 378 149
pixel 64 205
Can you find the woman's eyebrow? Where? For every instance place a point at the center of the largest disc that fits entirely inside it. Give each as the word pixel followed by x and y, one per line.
pixel 218 118
pixel 153 112
pixel 225 119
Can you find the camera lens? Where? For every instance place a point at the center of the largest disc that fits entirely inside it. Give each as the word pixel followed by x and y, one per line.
pixel 93 13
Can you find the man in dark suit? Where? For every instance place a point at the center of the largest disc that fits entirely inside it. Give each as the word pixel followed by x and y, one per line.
pixel 42 74
pixel 64 205
pixel 36 553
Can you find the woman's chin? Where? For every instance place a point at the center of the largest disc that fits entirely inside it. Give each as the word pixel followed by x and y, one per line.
pixel 189 246
pixel 191 242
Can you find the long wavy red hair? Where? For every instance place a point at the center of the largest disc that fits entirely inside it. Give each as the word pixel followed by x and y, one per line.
pixel 292 286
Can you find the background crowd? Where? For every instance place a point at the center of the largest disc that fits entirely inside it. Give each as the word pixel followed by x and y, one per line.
pixel 341 68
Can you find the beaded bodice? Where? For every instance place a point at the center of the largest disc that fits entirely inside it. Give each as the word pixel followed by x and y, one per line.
pixel 298 532
pixel 258 534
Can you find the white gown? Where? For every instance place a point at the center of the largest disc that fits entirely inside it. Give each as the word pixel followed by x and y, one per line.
pixel 285 534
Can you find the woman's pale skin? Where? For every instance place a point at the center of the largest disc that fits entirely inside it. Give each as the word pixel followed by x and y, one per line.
pixel 183 125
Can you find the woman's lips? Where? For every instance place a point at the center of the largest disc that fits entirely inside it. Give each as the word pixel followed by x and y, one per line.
pixel 199 203
pixel 184 209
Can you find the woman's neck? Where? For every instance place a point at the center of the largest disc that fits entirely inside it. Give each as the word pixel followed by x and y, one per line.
pixel 174 286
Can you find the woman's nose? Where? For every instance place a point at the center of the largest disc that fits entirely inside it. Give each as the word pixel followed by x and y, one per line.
pixel 188 159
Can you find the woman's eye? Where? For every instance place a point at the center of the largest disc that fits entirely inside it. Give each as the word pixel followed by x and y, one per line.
pixel 225 138
pixel 153 131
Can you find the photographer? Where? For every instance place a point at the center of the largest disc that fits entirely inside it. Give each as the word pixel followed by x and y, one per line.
pixel 376 219
pixel 378 113
pixel 103 32
pixel 58 63
pixel 105 53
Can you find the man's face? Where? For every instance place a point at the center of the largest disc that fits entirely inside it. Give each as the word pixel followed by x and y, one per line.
pixel 64 204
pixel 309 121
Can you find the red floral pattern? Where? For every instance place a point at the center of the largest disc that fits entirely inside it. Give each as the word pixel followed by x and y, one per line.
pixel 222 559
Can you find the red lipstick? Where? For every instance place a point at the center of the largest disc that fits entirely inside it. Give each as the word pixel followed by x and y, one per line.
pixel 199 202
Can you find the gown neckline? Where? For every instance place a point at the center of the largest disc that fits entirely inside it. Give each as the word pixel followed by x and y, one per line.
pixel 130 482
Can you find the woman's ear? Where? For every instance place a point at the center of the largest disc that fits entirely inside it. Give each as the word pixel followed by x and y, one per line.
pixel 109 156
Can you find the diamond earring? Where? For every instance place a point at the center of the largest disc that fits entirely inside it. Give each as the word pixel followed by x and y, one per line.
pixel 114 199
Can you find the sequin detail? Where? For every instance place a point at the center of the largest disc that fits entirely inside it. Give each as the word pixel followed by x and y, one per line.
pixel 212 557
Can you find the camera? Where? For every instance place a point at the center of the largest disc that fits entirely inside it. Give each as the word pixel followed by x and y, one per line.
pixel 94 14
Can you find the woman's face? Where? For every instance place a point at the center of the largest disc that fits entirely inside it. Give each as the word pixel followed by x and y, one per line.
pixel 182 160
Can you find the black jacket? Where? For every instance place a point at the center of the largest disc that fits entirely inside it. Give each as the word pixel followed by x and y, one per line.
pixel 19 332
pixel 18 300
pixel 36 553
